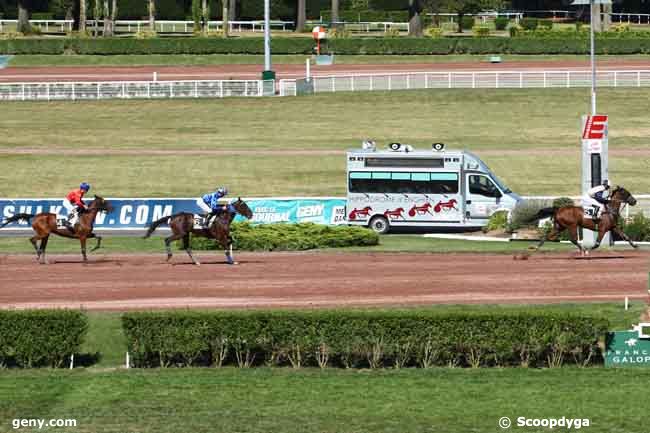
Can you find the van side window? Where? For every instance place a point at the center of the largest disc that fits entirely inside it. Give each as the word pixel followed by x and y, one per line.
pixel 403 182
pixel 482 185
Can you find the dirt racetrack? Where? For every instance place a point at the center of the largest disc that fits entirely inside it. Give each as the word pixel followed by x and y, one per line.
pixel 117 282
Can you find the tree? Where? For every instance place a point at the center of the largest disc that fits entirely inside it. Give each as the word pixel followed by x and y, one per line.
pixel 224 18
pixel 152 15
pixel 415 18
pixel 301 15
pixel 23 17
pixel 232 10
pixel 461 8
pixel 82 16
pixel 110 13
pixel 335 13
pixel 205 15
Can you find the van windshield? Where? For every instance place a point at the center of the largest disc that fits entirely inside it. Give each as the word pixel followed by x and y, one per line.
pixel 498 181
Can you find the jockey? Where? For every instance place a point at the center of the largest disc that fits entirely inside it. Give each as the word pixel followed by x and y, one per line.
pixel 599 196
pixel 209 203
pixel 73 202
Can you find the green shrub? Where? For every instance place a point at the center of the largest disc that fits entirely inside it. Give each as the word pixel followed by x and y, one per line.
pixel 467 23
pixel 343 45
pixel 638 228
pixel 515 30
pixel 529 23
pixel 498 221
pixel 338 33
pixel 481 31
pixel 145 34
pixel 561 202
pixel 40 338
pixel 281 236
pixel 434 32
pixel 353 16
pixel 373 339
pixel 392 32
pixel 500 23
pixel 42 16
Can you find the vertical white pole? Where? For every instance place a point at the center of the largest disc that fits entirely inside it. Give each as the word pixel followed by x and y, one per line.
pixel 267 35
pixel 72 360
pixel 593 60
pixel 196 89
pixel 308 69
pixel 627 303
pixel 155 76
pixel 128 361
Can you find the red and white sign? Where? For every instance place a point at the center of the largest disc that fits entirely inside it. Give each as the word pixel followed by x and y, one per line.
pixel 319 33
pixel 595 128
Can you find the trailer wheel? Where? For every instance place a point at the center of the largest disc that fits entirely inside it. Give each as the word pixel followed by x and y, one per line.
pixel 379 224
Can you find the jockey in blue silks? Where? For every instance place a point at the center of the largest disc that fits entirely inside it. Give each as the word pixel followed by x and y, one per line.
pixel 209 203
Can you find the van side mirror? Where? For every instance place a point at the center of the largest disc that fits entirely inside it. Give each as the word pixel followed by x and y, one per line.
pixel 498 194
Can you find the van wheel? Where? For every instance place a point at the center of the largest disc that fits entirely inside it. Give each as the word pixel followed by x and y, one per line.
pixel 380 225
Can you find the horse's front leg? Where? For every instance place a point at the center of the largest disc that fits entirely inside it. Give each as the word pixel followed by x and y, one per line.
pixel 228 251
pixel 38 250
pixel 99 241
pixel 187 246
pixel 82 241
pixel 622 234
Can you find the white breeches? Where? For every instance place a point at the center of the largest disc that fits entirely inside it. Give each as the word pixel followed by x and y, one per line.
pixel 204 207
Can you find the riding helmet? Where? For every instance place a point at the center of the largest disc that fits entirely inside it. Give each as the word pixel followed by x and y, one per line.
pixel 222 190
pixel 84 186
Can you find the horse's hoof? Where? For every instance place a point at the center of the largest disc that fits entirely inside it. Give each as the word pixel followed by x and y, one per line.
pixel 197 263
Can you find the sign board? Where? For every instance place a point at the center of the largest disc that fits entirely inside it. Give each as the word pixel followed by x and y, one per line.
pixel 595 167
pixel 628 348
pixel 135 213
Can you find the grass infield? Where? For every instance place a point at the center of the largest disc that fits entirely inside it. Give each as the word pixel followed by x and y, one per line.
pixel 292 146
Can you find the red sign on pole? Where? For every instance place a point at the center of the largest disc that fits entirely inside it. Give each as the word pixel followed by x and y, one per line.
pixel 595 128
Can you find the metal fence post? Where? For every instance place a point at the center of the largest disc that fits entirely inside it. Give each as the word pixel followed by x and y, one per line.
pixel 408 82
pixel 545 79
pixel 449 79
pixel 568 79
pixel 73 93
pixel 245 88
pixel 497 80
pixel 220 88
pixel 372 82
pixel 638 78
pixel 148 89
pixel 390 82
pixel 352 84
pixel 196 89
pixel 171 90
pixel 48 91
pixel 473 80
pixel 124 90
pixel 426 80
pixel 521 80
pixel 615 78
pixel 23 91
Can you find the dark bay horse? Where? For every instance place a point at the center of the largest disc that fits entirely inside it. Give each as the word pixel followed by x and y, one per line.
pixel 44 225
pixel 182 226
pixel 572 217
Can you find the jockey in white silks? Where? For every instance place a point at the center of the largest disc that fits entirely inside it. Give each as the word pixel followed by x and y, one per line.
pixel 598 198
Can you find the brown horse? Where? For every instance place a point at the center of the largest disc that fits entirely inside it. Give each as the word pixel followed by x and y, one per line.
pixel 571 217
pixel 44 225
pixel 182 226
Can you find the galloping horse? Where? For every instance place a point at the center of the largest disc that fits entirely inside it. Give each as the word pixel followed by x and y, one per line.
pixel 182 226
pixel 572 217
pixel 44 225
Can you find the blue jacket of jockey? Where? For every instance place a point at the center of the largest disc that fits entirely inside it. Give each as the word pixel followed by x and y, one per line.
pixel 212 199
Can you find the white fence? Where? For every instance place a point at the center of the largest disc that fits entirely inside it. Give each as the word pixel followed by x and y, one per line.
pixel 470 80
pixel 46 26
pixel 163 26
pixel 130 90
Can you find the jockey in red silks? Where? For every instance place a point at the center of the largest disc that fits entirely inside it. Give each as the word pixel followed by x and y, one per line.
pixel 73 202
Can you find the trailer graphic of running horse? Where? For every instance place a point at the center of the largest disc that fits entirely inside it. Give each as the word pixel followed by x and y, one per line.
pixel 356 213
pixel 446 206
pixel 420 210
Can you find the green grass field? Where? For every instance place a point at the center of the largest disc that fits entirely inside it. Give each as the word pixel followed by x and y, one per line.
pixel 294 146
pixel 281 400
pixel 103 398
pixel 245 59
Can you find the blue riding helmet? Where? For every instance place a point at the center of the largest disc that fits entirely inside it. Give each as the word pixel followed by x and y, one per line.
pixel 84 186
pixel 222 191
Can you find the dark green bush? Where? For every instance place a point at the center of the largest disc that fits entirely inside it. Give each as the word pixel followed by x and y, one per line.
pixel 342 46
pixel 40 338
pixel 561 202
pixel 638 228
pixel 529 23
pixel 362 339
pixel 280 236
pixel 500 23
pixel 498 221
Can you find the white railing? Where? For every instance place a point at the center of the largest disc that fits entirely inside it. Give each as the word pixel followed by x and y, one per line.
pixel 130 90
pixel 46 26
pixel 471 80
pixel 164 26
pixel 630 18
pixel 370 26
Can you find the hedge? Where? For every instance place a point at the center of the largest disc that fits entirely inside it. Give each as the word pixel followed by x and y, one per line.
pixel 280 236
pixel 361 339
pixel 352 46
pixel 40 338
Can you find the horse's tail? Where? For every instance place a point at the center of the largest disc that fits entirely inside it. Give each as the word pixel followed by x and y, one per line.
pixel 154 225
pixel 543 213
pixel 17 217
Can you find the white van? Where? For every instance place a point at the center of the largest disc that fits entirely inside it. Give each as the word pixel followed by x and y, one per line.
pixel 402 187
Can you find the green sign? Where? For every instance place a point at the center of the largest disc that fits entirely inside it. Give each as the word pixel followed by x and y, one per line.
pixel 628 348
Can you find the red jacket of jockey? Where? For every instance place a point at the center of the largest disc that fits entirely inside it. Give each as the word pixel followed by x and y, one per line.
pixel 76 196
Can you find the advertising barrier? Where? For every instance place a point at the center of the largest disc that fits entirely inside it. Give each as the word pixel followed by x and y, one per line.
pixel 138 213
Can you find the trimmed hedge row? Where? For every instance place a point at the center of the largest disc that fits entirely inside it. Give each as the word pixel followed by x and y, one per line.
pixel 352 46
pixel 361 339
pixel 280 236
pixel 40 338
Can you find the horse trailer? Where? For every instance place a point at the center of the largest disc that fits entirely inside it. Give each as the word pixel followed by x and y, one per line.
pixel 403 187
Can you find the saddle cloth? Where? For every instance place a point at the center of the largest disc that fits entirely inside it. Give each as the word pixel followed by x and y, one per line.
pixel 60 223
pixel 201 223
